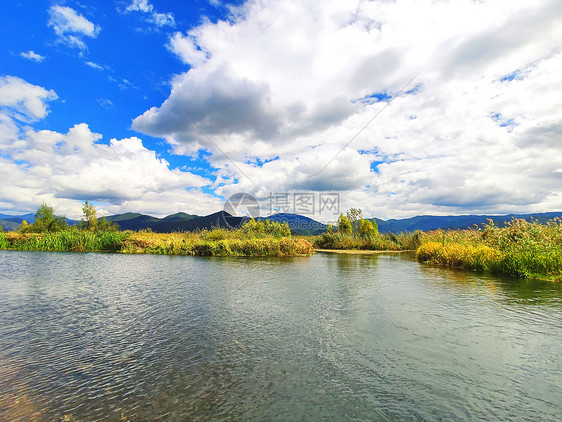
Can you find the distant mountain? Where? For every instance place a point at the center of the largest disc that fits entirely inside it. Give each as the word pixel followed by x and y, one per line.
pixel 298 224
pixel 8 225
pixel 433 222
pixel 133 221
pixel 30 218
pixel 178 222
pixel 180 216
pixel 173 222
pixel 217 219
pixel 123 217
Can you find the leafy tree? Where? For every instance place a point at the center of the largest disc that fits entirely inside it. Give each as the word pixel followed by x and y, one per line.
pixel 285 230
pixel 330 228
pixel 354 215
pixel 24 227
pixel 47 221
pixel 266 227
pixel 344 225
pixel 375 226
pixel 90 217
pixel 366 229
pixel 107 226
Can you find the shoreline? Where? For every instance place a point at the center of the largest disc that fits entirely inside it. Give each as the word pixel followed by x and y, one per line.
pixel 359 251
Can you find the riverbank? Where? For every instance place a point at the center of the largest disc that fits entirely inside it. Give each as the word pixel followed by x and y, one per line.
pixel 359 251
pixel 218 242
pixel 376 242
pixel 521 249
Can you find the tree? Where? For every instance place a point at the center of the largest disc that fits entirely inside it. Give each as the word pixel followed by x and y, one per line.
pixel 366 228
pixel 330 228
pixel 354 215
pixel 285 230
pixel 107 226
pixel 47 221
pixel 90 217
pixel 24 227
pixel 375 226
pixel 344 225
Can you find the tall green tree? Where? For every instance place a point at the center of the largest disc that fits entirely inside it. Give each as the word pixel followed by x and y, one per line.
pixel 367 229
pixel 90 216
pixel 104 225
pixel 344 225
pixel 47 221
pixel 354 215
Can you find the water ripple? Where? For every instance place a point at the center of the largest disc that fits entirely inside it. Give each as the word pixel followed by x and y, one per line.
pixel 331 337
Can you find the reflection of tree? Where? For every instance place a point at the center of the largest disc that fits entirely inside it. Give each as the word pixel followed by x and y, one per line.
pixel 509 289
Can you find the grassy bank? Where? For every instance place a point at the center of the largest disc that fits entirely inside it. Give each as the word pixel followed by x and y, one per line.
pixel 521 249
pixel 376 242
pixel 252 240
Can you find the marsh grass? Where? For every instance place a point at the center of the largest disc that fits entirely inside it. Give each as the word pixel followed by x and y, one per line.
pixel 376 242
pixel 63 241
pixel 218 242
pixel 269 239
pixel 521 248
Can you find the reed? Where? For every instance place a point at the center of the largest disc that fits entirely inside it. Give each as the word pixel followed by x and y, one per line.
pixel 257 239
pixel 521 248
pixel 64 241
pixel 378 242
pixel 218 242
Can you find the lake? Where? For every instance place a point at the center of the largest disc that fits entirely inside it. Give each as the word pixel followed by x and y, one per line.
pixel 328 337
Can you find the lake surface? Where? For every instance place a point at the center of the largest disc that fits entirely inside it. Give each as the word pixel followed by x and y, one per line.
pixel 327 337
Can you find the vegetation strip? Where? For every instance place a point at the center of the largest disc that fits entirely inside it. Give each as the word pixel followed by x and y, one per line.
pixel 357 251
pixel 521 249
pixel 51 233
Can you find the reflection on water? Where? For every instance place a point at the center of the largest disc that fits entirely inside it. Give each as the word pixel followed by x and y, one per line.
pixel 329 337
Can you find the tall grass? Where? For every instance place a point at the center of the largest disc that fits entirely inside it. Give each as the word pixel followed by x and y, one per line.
pixel 218 242
pixel 63 241
pixel 521 248
pixel 390 241
pixel 253 240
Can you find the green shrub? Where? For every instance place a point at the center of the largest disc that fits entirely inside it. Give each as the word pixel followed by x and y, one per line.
pixel 521 248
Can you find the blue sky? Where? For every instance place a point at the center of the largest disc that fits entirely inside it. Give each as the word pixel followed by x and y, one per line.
pixel 400 108
pixel 123 70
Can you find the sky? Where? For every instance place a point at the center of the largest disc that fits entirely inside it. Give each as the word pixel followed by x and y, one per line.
pixel 399 108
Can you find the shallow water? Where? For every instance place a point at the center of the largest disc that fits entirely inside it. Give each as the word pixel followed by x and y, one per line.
pixel 327 337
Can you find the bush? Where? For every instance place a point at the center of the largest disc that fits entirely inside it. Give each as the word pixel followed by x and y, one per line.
pixel 521 248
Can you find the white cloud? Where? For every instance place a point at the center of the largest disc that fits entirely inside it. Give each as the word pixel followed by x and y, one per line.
pixel 154 17
pixel 64 169
pixel 22 100
pixel 33 56
pixel 479 129
pixel 186 49
pixel 106 103
pixel 94 65
pixel 140 6
pixel 71 27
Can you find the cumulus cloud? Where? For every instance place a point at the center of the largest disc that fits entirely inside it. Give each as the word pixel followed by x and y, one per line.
pixel 22 100
pixel 64 169
pixel 71 27
pixel 32 55
pixel 154 17
pixel 282 86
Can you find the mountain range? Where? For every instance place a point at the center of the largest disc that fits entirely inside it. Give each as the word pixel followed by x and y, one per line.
pixel 299 224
